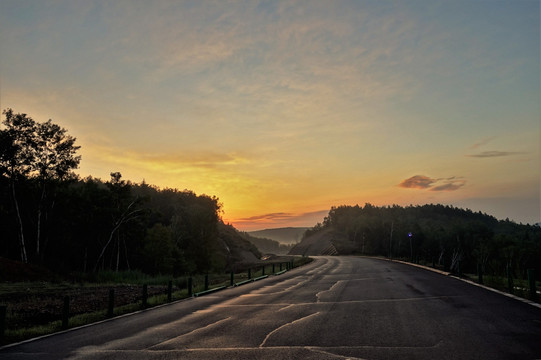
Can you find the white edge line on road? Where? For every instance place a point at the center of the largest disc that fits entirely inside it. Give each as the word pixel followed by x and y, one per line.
pixel 526 301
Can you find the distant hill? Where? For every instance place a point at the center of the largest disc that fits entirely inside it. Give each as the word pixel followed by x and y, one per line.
pixel 267 246
pixel 287 235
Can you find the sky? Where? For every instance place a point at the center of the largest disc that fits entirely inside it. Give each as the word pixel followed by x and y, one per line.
pixel 283 109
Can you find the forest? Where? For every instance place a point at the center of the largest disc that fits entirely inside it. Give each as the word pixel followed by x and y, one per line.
pixel 52 218
pixel 444 235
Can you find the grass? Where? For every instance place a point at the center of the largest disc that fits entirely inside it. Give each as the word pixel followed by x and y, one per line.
pixel 40 293
pixel 134 277
pixel 20 334
pixel 521 288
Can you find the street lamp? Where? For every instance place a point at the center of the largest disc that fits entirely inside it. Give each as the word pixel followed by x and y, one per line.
pixel 410 235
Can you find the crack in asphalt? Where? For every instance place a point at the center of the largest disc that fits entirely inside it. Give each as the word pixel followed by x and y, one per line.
pixel 285 325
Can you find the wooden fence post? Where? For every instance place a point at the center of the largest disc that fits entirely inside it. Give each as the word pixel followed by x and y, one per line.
pixel 3 312
pixel 111 305
pixel 531 280
pixel 65 312
pixel 480 273
pixel 144 303
pixel 510 286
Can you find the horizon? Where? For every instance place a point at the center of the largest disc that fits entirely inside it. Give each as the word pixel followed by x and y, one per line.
pixel 254 228
pixel 285 109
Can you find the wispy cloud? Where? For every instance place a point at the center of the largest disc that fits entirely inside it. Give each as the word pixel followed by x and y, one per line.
pixel 494 153
pixel 267 217
pixel 280 219
pixel 285 215
pixel 482 142
pixel 173 162
pixel 417 182
pixel 427 183
pixel 449 185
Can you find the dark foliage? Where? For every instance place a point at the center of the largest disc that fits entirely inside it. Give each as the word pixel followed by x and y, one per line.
pixel 445 235
pixel 50 217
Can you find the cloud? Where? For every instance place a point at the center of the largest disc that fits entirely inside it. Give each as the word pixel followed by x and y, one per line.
pixel 267 217
pixel 449 185
pixel 491 154
pixel 417 182
pixel 423 182
pixel 280 219
pixel 482 142
pixel 169 161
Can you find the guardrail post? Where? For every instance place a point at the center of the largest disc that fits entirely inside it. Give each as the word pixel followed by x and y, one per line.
pixel 65 312
pixel 273 268
pixel 206 282
pixel 280 266
pixel 263 270
pixel 3 312
pixel 510 287
pixel 232 282
pixel 531 281
pixel 480 273
pixel 190 287
pixel 144 297
pixel 249 273
pixel 169 291
pixel 111 304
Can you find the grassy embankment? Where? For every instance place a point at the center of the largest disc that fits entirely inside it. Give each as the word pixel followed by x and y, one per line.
pixel 35 308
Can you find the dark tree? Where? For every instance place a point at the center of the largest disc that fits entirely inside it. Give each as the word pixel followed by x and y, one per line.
pixel 42 154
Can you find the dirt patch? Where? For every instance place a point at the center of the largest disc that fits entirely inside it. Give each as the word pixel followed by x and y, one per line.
pixel 11 270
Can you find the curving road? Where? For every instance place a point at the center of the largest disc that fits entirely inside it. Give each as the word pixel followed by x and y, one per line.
pixel 333 308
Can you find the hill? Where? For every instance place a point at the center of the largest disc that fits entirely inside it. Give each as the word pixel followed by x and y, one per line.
pixel 452 237
pixel 267 246
pixel 237 251
pixel 287 235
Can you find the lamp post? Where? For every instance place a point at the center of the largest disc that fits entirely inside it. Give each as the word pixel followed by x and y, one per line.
pixel 391 242
pixel 410 235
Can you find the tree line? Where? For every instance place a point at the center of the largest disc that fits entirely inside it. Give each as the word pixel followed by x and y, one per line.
pixel 446 235
pixel 51 217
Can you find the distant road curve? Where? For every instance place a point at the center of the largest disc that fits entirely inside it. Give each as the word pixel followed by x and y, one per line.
pixel 333 308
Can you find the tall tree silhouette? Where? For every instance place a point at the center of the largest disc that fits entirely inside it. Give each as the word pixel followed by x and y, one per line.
pixel 41 152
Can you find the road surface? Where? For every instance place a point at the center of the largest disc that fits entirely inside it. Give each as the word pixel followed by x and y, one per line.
pixel 333 308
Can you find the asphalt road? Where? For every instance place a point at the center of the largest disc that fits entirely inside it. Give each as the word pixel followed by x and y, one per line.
pixel 334 308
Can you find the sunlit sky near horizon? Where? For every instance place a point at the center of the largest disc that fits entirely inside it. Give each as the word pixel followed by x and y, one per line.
pixel 283 109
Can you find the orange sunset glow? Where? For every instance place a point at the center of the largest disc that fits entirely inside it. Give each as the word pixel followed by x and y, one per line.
pixel 284 109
